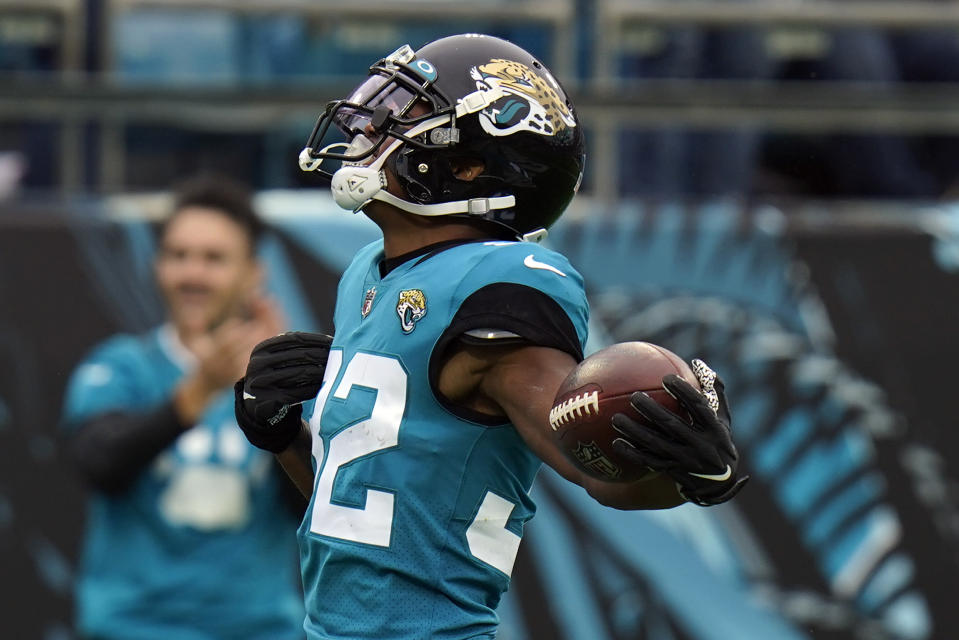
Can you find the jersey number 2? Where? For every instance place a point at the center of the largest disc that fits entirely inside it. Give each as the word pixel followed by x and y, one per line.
pixel 487 537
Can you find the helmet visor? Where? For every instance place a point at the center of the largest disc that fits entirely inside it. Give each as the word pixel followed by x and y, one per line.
pixel 357 111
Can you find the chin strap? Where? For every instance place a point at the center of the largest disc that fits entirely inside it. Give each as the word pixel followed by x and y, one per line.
pixel 354 187
pixel 473 207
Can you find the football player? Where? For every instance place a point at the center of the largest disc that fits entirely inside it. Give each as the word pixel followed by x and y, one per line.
pixel 453 334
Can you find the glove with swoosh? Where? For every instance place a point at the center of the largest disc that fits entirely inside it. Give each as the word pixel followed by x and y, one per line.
pixel 699 455
pixel 284 371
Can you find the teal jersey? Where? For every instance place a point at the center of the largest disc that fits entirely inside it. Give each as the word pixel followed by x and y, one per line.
pixel 419 507
pixel 201 546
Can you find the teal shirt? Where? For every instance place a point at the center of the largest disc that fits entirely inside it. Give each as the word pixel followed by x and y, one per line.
pixel 417 513
pixel 201 546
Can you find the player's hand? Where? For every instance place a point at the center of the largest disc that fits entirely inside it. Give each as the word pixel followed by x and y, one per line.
pixel 699 455
pixel 223 353
pixel 284 371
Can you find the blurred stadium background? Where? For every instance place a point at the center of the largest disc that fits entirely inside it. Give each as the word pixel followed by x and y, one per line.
pixel 770 186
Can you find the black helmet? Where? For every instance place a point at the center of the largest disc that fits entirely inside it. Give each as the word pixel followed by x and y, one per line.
pixel 481 99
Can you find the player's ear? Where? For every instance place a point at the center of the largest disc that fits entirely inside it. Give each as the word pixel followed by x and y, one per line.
pixel 467 169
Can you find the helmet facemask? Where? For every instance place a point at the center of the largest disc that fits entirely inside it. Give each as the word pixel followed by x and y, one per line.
pixel 381 104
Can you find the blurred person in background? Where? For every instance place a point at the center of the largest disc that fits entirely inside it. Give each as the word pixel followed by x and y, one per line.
pixel 191 531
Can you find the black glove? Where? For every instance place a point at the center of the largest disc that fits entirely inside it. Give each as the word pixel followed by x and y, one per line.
pixel 700 455
pixel 284 371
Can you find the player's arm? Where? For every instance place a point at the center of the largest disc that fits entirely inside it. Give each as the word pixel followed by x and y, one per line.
pixel 112 435
pixel 113 443
pixel 111 449
pixel 297 461
pixel 283 372
pixel 520 382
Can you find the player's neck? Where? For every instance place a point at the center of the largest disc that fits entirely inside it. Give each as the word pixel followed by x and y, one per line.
pixel 405 233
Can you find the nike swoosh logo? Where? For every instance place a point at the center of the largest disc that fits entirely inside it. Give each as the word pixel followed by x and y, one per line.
pixel 248 396
pixel 532 263
pixel 718 478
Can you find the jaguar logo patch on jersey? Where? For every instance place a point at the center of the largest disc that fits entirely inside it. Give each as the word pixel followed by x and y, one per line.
pixel 411 308
pixel 368 302
pixel 531 103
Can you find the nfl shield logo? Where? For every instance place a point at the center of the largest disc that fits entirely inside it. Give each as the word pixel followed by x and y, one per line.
pixel 591 457
pixel 368 301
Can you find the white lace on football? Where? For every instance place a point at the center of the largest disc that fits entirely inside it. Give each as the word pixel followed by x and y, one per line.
pixel 707 382
pixel 574 407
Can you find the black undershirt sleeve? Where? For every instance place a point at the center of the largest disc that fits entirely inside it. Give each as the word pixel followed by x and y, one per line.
pixel 513 314
pixel 112 449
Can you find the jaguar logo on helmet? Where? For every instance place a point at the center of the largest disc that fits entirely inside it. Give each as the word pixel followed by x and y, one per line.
pixel 532 103
pixel 411 307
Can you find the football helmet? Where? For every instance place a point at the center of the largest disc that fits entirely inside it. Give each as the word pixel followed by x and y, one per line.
pixel 464 99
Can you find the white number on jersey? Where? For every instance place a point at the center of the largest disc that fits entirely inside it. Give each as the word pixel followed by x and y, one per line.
pixel 487 537
pixel 373 523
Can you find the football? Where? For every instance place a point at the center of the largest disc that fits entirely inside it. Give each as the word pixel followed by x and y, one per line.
pixel 600 387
